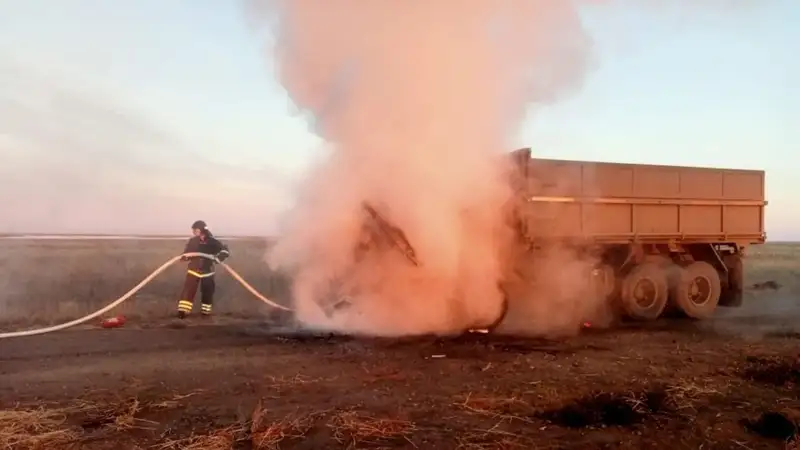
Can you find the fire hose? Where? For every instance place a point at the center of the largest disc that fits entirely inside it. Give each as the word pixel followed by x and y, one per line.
pixel 136 289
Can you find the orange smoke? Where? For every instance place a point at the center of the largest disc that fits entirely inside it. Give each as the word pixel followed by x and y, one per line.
pixel 417 100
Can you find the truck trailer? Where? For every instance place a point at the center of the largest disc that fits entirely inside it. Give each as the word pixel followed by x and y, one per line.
pixel 663 237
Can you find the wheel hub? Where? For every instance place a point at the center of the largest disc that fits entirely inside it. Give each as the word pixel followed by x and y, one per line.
pixel 699 290
pixel 645 293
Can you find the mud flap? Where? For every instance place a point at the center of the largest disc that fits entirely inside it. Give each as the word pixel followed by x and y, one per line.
pixel 733 291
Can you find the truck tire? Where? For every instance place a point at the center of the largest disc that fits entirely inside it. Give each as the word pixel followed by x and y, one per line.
pixel 696 290
pixel 606 280
pixel 644 292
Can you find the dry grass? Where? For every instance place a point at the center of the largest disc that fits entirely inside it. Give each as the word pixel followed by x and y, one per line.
pixel 348 428
pixel 266 435
pixel 777 262
pixel 354 429
pixel 685 396
pixel 222 439
pixel 90 273
pixel 282 382
pixel 51 281
pixel 174 401
pixel 494 438
pixel 504 411
pixel 58 427
pixel 116 416
pixel 38 428
pixel 597 408
pixel 498 407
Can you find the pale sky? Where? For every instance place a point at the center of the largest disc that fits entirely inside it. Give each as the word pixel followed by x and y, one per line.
pixel 145 115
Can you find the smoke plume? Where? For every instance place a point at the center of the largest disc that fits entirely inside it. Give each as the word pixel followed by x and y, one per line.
pixel 417 102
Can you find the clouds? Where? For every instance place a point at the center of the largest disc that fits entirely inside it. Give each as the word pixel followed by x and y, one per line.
pixel 194 99
pixel 79 159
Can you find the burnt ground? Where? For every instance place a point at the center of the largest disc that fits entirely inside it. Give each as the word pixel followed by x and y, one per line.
pixel 247 385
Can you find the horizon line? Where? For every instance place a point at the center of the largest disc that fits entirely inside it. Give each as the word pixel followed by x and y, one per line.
pixel 123 235
pixel 182 236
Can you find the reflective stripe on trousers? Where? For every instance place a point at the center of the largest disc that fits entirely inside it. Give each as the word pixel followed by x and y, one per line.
pixel 185 306
pixel 200 275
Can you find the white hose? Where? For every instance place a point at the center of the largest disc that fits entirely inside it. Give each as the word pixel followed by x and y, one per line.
pixel 136 289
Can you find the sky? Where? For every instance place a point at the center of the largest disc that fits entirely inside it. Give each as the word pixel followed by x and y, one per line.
pixel 142 116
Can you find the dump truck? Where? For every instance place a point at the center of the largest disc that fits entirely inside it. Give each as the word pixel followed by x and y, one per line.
pixel 663 237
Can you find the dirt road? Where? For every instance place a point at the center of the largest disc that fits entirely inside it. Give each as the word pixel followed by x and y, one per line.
pixel 238 385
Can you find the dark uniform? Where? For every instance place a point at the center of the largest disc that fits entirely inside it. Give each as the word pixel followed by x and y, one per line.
pixel 201 270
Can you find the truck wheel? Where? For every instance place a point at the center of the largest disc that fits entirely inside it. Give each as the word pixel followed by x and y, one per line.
pixel 606 280
pixel 644 292
pixel 697 290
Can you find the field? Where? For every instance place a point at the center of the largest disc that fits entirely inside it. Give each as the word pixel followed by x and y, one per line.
pixel 246 381
pixel 52 281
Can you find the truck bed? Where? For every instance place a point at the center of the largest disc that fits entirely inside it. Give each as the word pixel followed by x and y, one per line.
pixel 614 202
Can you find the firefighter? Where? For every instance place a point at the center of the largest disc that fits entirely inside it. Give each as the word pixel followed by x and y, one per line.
pixel 201 270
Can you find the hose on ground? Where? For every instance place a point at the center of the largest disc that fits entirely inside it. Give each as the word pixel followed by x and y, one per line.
pixel 136 289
